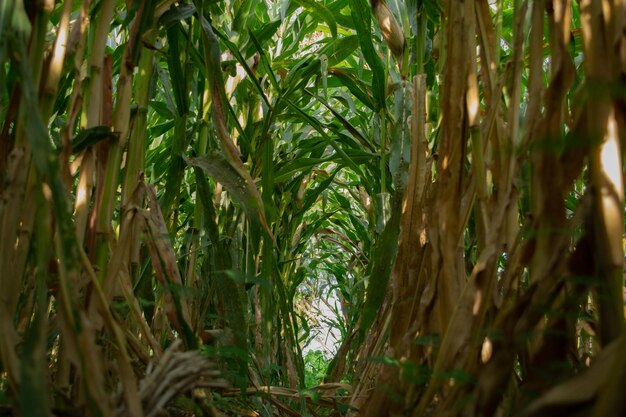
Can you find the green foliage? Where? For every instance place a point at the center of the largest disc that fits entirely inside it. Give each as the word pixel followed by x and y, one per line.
pixel 315 367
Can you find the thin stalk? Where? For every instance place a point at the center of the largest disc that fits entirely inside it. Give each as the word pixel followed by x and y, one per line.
pixel 136 158
pixel 18 216
pixel 420 40
pixel 121 124
pixel 498 31
pixel 96 59
pixel 198 218
pixel 55 68
pixel 93 111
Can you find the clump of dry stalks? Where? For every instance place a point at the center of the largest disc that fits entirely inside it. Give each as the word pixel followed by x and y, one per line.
pixel 175 373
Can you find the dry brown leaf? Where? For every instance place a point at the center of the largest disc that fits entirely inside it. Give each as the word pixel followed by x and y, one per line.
pixel 164 259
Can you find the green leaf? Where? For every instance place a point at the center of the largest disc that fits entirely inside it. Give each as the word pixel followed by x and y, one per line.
pixel 20 24
pixel 400 139
pixel 355 86
pixel 241 9
pixel 176 70
pixel 161 109
pixel 362 18
pixel 242 189
pixel 291 168
pixel 311 196
pixel 337 51
pixel 319 10
pixel 233 48
pixel 261 36
pixel 346 124
pixel 264 60
pixel 176 14
pixel 317 126
pixel 379 269
pixel 91 136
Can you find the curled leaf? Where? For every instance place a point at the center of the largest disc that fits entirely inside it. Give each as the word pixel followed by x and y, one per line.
pixel 237 182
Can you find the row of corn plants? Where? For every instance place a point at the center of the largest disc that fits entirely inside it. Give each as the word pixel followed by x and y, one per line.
pixel 184 182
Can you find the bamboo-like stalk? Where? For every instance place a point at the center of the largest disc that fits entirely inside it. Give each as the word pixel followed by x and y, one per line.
pixel 121 124
pixel 136 159
pixel 96 59
pixel 55 68
pixel 93 113
pixel 17 223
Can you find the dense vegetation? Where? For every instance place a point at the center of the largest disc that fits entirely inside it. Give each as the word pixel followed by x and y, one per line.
pixel 312 207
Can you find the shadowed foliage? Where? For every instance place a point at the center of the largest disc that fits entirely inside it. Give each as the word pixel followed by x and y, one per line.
pixel 312 208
